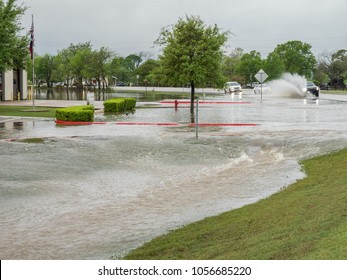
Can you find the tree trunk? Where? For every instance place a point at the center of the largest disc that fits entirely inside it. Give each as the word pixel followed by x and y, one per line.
pixel 192 97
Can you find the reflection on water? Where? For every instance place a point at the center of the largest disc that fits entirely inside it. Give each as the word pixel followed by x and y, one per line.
pixel 93 192
pixel 18 125
pixel 63 94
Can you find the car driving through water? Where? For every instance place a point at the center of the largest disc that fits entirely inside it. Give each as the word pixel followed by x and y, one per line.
pixel 311 89
pixel 232 87
pixel 264 88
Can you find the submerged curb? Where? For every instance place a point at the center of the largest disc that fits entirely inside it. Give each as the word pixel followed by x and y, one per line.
pixel 59 122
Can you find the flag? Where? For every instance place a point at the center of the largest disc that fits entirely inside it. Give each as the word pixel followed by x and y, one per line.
pixel 31 45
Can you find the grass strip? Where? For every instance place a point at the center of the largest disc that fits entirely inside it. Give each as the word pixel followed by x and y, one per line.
pixel 27 111
pixel 307 220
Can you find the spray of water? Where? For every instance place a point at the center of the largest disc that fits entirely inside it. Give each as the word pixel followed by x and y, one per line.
pixel 289 85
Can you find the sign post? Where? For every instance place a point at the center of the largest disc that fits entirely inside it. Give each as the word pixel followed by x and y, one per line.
pixel 197 119
pixel 90 98
pixel 261 76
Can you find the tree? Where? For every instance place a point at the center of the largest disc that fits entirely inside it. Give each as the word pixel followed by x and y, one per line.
pixel 147 70
pixel 98 66
pixel 249 65
pixel 63 69
pixel 13 47
pixel 115 68
pixel 274 66
pixel 134 60
pixel 44 68
pixel 81 55
pixel 72 63
pixel 296 57
pixel 321 72
pixel 229 65
pixel 333 67
pixel 338 68
pixel 192 54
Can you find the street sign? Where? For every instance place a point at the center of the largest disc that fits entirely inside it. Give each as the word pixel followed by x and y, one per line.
pixel 90 98
pixel 261 76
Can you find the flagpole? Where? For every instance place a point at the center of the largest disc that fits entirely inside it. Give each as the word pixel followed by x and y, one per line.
pixel 33 59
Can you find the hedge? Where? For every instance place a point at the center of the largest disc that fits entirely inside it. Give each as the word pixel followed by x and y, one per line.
pixel 76 114
pixel 119 105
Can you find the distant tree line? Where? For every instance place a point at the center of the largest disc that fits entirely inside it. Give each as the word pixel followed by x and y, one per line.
pixel 80 65
pixel 192 55
pixel 292 57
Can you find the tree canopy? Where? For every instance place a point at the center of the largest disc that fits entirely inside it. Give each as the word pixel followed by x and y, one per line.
pixel 292 56
pixel 295 57
pixel 13 47
pixel 333 67
pixel 192 54
pixel 249 65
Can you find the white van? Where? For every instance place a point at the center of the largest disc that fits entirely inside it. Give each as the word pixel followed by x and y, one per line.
pixel 232 87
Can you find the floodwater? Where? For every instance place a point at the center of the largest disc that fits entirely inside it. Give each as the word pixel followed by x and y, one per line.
pixel 151 94
pixel 97 191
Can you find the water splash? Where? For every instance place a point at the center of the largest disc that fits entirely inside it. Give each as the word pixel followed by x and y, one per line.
pixel 289 85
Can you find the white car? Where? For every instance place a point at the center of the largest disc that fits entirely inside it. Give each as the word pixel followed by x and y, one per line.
pixel 262 88
pixel 232 87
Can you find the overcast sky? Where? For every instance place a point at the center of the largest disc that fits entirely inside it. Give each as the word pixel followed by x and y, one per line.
pixel 131 26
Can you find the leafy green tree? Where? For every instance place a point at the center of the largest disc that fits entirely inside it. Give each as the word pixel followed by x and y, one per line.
pixel 126 70
pixel 229 65
pixel 81 56
pixel 72 63
pixel 63 68
pixel 13 47
pixel 192 54
pixel 129 65
pixel 147 70
pixel 332 67
pixel 115 68
pixel 133 61
pixel 338 68
pixel 249 65
pixel 44 68
pixel 274 66
pixel 296 57
pixel 98 66
pixel 321 72
pixel 123 69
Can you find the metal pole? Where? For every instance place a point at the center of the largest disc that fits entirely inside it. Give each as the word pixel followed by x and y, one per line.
pixel 261 91
pixel 33 93
pixel 197 119
pixel 32 16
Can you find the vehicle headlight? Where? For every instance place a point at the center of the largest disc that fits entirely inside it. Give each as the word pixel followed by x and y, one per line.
pixel 304 89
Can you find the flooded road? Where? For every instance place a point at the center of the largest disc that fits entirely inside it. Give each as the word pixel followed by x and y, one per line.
pixel 95 192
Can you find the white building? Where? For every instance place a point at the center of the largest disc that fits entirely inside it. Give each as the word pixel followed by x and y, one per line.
pixel 13 85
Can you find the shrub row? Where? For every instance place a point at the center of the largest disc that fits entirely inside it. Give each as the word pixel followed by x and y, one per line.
pixel 76 114
pixel 119 105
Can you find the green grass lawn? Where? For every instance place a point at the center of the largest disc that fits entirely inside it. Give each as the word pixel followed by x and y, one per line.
pixel 307 220
pixel 26 111
pixel 342 92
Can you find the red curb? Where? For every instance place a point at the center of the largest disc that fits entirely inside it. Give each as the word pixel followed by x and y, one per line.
pixel 59 122
pixel 76 123
pixel 204 102
pixel 147 123
pixel 224 124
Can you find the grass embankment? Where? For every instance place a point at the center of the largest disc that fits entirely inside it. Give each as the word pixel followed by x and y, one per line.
pixel 307 220
pixel 25 111
pixel 341 92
